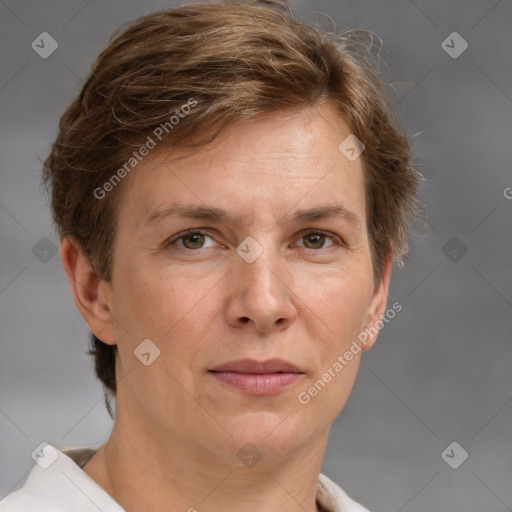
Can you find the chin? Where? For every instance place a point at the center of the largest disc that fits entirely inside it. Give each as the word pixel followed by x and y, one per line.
pixel 275 435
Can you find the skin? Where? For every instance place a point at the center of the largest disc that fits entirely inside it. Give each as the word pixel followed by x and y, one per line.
pixel 178 429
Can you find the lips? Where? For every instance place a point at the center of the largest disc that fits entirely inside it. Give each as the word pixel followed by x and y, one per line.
pixel 258 377
pixel 257 367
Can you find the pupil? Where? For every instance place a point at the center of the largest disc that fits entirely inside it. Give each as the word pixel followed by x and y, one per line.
pixel 319 238
pixel 194 239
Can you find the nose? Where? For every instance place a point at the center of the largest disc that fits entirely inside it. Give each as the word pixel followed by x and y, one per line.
pixel 261 298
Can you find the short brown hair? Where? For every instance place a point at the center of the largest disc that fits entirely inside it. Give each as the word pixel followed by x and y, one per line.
pixel 236 60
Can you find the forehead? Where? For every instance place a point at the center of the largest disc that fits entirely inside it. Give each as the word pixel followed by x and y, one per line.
pixel 260 167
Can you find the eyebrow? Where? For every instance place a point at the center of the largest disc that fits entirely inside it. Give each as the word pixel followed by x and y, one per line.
pixel 213 214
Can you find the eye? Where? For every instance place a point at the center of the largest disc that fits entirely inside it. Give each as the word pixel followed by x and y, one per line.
pixel 317 240
pixel 195 239
pixel 190 239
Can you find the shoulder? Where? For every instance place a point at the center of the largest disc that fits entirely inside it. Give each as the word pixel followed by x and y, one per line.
pixel 334 499
pixel 57 484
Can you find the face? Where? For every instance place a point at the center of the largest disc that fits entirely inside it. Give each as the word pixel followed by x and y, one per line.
pixel 258 303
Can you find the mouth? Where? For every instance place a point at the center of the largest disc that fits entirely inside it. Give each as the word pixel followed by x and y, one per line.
pixel 258 377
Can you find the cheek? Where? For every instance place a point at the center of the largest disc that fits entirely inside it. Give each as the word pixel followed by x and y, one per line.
pixel 346 308
pixel 338 306
pixel 166 306
pixel 337 352
pixel 336 302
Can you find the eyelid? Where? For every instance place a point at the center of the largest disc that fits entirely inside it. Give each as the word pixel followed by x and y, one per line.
pixel 193 231
pixel 337 240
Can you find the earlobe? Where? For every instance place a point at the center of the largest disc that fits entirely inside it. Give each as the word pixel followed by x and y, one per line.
pixel 377 306
pixel 91 294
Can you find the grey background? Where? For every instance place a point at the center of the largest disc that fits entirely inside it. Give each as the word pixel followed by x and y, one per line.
pixel 440 371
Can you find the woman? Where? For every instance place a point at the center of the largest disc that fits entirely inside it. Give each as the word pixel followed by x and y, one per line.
pixel 230 195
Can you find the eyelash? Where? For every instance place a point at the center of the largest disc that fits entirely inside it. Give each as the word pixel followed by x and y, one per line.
pixel 334 238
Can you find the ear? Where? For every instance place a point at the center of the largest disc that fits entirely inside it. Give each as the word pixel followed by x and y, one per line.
pixel 92 295
pixel 377 306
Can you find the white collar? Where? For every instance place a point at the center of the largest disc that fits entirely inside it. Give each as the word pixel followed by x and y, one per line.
pixel 63 483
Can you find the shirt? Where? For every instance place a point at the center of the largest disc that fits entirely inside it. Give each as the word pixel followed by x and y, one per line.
pixel 57 483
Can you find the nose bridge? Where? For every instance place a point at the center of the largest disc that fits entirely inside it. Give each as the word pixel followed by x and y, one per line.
pixel 261 292
pixel 260 265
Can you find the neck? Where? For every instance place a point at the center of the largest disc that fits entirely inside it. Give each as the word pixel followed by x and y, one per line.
pixel 147 472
